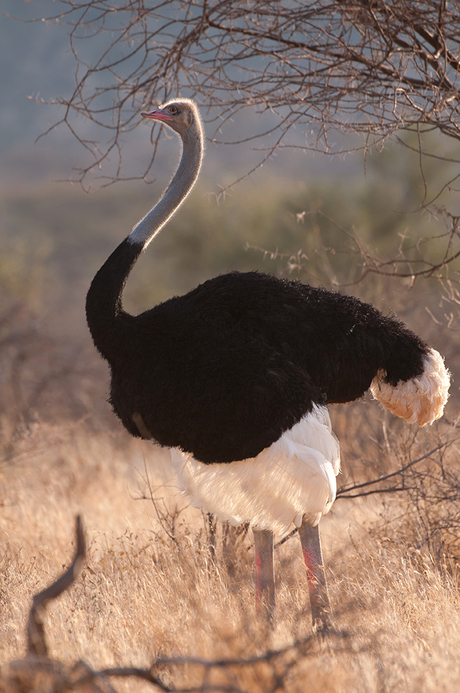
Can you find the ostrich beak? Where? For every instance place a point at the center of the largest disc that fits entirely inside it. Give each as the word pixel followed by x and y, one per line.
pixel 156 115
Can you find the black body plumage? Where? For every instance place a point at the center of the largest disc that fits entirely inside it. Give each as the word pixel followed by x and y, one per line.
pixel 223 371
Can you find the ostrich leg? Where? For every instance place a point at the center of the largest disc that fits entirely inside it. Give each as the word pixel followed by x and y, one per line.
pixel 317 586
pixel 265 576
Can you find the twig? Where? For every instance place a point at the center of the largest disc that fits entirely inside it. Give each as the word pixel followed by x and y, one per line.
pixel 346 489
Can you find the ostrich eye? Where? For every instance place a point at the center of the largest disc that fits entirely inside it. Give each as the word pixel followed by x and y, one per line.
pixel 173 110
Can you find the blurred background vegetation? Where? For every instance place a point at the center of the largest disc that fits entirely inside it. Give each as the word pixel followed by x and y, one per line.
pixel 323 220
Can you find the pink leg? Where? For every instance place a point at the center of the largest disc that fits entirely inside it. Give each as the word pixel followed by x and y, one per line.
pixel 317 586
pixel 265 576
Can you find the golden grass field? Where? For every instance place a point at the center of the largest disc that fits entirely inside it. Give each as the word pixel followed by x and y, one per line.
pixel 150 592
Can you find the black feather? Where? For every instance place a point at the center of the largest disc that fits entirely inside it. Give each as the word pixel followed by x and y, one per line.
pixel 223 371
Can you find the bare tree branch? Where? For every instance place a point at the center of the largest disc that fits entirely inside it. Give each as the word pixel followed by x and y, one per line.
pixel 344 491
pixel 359 66
pixel 36 642
pixel 371 69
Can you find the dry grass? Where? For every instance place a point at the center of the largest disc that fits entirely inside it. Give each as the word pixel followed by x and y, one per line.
pixel 150 592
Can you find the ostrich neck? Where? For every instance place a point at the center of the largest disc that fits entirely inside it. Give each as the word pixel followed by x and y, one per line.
pixel 176 192
pixel 109 324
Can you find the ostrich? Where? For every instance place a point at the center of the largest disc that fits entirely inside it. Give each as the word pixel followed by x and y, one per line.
pixel 235 378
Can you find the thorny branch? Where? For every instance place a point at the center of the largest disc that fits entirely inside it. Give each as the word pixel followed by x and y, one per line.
pixel 359 66
pixel 366 68
pixel 282 660
pixel 36 643
pixel 398 475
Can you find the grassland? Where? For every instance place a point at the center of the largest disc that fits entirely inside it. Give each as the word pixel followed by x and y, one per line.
pixel 150 593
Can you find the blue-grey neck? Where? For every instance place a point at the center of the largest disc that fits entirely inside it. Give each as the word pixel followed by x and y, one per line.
pixel 177 190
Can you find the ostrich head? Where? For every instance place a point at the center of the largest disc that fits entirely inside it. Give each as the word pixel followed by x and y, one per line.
pixel 180 115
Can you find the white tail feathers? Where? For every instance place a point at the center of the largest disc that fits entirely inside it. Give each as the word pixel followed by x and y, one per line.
pixel 293 477
pixel 420 400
